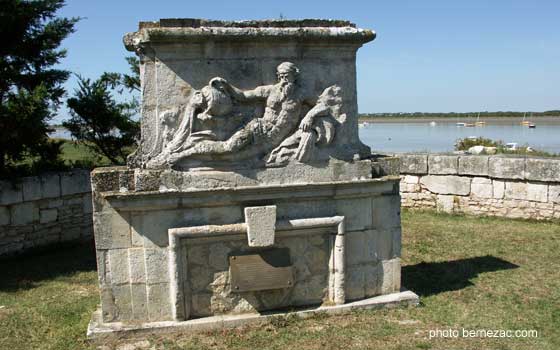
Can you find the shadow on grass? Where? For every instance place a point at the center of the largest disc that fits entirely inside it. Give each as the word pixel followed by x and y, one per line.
pixel 26 271
pixel 427 279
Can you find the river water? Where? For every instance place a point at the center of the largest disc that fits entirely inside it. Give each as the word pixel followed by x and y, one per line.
pixel 411 136
pixel 401 135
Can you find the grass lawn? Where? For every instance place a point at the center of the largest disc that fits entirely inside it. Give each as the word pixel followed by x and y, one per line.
pixel 472 273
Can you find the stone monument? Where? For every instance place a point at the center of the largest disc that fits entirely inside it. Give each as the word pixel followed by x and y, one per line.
pixel 250 192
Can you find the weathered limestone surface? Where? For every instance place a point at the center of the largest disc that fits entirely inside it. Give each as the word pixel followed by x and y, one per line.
pixel 249 147
pixel 486 185
pixel 34 212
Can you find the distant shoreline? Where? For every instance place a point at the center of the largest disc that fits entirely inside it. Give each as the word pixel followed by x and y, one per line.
pixel 492 120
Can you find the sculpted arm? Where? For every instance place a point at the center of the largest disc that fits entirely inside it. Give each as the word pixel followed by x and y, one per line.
pixel 260 92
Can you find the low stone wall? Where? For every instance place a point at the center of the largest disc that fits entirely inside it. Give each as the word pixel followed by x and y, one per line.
pixel 42 210
pixel 513 187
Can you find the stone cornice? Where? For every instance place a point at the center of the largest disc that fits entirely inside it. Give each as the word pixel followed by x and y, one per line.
pixel 195 31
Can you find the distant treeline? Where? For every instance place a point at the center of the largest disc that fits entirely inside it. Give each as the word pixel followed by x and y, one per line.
pixel 486 114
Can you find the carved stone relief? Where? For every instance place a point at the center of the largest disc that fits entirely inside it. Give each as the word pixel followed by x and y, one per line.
pixel 275 123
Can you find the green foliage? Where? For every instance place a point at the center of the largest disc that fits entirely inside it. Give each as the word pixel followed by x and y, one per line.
pixel 30 88
pixel 468 142
pixel 99 120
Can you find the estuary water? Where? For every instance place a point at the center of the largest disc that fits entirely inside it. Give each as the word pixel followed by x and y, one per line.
pixel 424 136
pixel 402 135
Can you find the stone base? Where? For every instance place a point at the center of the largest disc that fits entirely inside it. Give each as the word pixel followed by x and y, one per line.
pixel 98 330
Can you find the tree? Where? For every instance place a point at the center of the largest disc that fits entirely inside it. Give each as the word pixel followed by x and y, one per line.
pixel 99 120
pixel 30 88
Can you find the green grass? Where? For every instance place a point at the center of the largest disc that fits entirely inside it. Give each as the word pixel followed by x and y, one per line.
pixel 470 273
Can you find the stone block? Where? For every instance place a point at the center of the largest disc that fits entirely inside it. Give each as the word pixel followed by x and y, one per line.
pixel 473 165
pixel 356 212
pixel 111 230
pixel 539 169
pixel 10 193
pixel 386 212
pixel 122 301
pixel 410 179
pixel 157 265
pixel 384 244
pixel 414 164
pixel 390 276
pixel 77 181
pixel 24 213
pixel 355 283
pixel 498 189
pixel 509 168
pixel 372 276
pixel 31 188
pixel 457 185
pixel 537 192
pixel 445 203
pixel 87 204
pixel 442 164
pixel 516 190
pixel 48 215
pixel 136 264
pixel 118 266
pixel 261 224
pixel 397 242
pixel 4 216
pixel 50 186
pixel 554 194
pixel 481 187
pixel 355 246
pixel 159 307
pixel 306 209
pixel 55 203
pixel 139 300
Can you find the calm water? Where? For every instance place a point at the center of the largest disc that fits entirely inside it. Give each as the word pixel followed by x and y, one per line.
pixel 414 136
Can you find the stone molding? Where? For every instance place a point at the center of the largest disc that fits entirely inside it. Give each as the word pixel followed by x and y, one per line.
pixel 336 289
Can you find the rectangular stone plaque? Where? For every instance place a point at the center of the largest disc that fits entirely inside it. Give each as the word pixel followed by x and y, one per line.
pixel 270 269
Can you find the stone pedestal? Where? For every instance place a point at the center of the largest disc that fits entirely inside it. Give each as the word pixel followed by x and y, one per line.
pixel 215 223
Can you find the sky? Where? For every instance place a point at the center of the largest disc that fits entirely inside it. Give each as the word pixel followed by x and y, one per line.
pixel 429 55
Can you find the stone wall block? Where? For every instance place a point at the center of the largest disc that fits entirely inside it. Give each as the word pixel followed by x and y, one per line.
pixel 4 216
pixel 31 188
pixel 554 194
pixel 157 265
pixel 473 165
pixel 414 164
pixel 481 187
pixel 159 308
pixel 498 189
pixel 48 215
pixel 50 186
pixel 445 203
pixel 118 266
pixel 537 192
pixel 87 204
pixel 355 246
pixel 24 213
pixel 136 264
pixel 111 230
pixel 386 212
pixel 10 193
pixel 442 164
pixel 516 190
pixel 372 276
pixel 542 169
pixel 77 181
pixel 509 168
pixel 457 185
pixel 355 283
pixel 139 299
pixel 356 212
pixel 122 301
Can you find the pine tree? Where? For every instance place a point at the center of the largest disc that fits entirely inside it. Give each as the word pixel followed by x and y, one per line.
pixel 30 88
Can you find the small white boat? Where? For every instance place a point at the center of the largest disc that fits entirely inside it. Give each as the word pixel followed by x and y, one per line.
pixel 461 124
pixel 511 146
pixel 432 123
pixel 362 124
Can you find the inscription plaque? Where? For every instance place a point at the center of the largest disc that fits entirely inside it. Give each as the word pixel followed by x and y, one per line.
pixel 265 270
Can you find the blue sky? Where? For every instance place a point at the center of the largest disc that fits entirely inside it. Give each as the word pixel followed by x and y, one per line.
pixel 429 55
